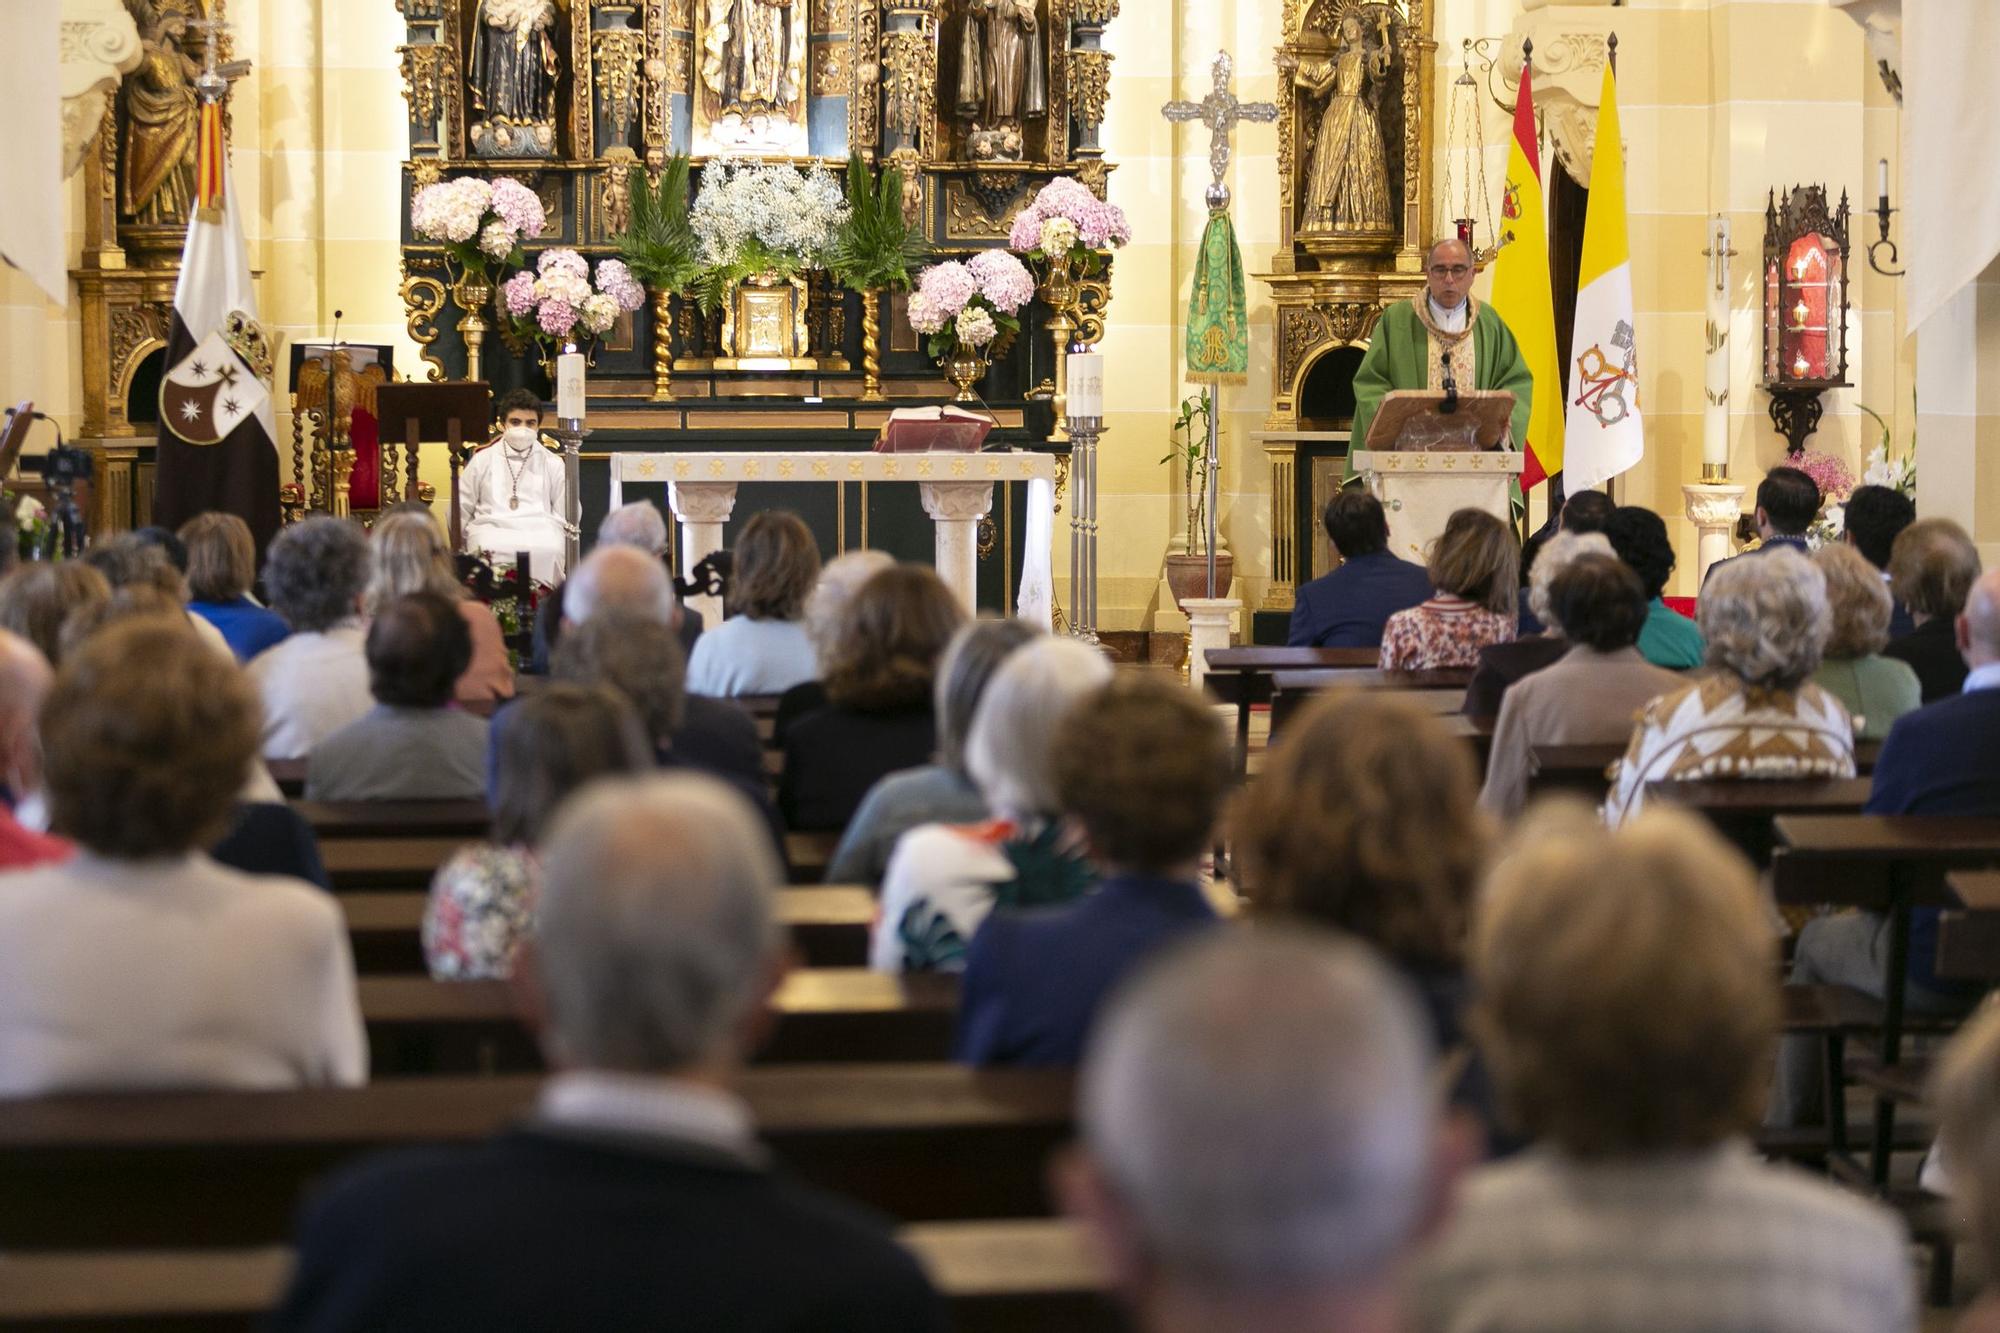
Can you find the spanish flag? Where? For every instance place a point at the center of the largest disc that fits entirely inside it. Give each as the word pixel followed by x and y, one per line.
pixel 1605 436
pixel 1522 294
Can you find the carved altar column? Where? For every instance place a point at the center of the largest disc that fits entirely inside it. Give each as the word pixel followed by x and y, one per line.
pixel 956 507
pixel 1713 508
pixel 701 507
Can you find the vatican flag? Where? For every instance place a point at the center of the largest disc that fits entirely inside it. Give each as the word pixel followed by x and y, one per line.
pixel 1604 435
pixel 1521 291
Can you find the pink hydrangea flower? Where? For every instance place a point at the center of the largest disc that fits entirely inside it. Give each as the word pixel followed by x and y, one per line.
pixel 519 207
pixel 1026 233
pixel 925 314
pixel 1835 482
pixel 564 260
pixel 1003 279
pixel 557 317
pixel 518 294
pixel 615 280
pixel 948 286
pixel 1103 225
pixel 600 312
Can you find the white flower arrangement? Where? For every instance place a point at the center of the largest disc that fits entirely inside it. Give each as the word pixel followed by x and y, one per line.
pixel 478 222
pixel 753 218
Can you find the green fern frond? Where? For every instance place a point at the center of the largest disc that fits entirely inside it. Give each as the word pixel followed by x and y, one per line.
pixel 878 249
pixel 660 246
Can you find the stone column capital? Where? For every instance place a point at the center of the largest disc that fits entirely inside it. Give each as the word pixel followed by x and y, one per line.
pixel 960 501
pixel 702 501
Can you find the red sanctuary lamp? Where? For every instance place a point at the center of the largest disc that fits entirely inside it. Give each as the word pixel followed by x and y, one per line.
pixel 1805 307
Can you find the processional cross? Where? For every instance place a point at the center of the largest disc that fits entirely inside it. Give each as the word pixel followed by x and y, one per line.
pixel 1220 111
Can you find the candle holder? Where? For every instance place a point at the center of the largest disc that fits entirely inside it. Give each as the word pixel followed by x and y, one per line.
pixel 1083 436
pixel 1882 212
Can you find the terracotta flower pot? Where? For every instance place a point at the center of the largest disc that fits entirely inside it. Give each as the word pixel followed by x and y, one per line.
pixel 1187 575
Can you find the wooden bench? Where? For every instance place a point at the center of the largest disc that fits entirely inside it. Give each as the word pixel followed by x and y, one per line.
pixel 829 925
pixel 1007 1276
pixel 186 1169
pixel 1434 691
pixel 1580 769
pixel 1242 677
pixel 1743 811
pixel 420 1026
pixel 466 821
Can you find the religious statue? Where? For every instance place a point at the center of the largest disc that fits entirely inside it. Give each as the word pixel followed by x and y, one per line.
pixel 161 115
pixel 1002 75
pixel 512 76
pixel 1347 184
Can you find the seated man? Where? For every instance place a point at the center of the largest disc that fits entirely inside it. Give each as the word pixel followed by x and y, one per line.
pixel 1937 761
pixel 1872 519
pixel 316 681
pixel 638 1195
pixel 513 493
pixel 637 525
pixel 413 745
pixel 1141 766
pixel 1932 566
pixel 1788 501
pixel 1347 607
pixel 1629 1032
pixel 1261 1146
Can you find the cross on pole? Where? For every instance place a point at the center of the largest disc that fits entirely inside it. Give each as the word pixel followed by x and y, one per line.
pixel 214 80
pixel 1220 111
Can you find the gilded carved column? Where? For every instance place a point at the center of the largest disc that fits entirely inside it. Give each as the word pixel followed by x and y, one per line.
pixel 1089 75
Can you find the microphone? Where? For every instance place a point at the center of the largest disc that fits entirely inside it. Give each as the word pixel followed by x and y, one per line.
pixel 1450 403
pixel 336 326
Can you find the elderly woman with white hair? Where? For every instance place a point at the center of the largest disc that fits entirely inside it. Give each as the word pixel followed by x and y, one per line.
pixel 944 879
pixel 1757 713
pixel 1876 689
pixel 1503 664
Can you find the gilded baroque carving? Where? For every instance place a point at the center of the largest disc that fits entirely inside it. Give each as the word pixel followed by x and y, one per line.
pixel 966 219
pixel 832 69
pixel 680 64
pixel 134 330
pixel 617 52
pixel 1094 175
pixel 425 171
pixel 423 298
pixel 424 66
pixel 1099 12
pixel 614 190
pixel 1090 85
pixel 1093 302
pixel 910 163
pixel 680 14
pixel 909 77
pixel 864 106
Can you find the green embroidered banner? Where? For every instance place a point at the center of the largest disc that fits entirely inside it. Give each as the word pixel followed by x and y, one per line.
pixel 1218 323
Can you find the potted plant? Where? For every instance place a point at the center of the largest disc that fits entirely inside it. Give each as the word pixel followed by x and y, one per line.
pixel 661 250
pixel 964 306
pixel 1187 569
pixel 876 251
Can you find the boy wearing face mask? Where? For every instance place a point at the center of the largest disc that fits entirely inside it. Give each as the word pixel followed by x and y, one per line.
pixel 512 492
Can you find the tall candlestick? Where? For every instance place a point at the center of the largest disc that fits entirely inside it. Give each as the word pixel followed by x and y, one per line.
pixel 1715 412
pixel 1086 385
pixel 1882 179
pixel 570 386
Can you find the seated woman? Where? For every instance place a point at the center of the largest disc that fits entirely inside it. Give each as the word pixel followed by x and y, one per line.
pixel 1592 695
pixel 1630 1033
pixel 1502 664
pixel 482 901
pixel 1365 820
pixel 222 564
pixel 941 792
pixel 878 674
pixel 1639 537
pixel 1473 573
pixel 944 879
pixel 1757 714
pixel 762 648
pixel 839 579
pixel 1876 689
pixel 142 963
pixel 37 600
pixel 408 553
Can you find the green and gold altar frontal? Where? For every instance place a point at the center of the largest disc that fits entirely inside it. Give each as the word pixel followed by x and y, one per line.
pixel 976 103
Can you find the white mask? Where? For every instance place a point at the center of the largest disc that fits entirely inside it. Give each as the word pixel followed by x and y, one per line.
pixel 519 438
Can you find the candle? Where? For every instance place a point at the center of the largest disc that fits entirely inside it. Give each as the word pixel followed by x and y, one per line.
pixel 569 386
pixel 1086 385
pixel 1882 179
pixel 1715 412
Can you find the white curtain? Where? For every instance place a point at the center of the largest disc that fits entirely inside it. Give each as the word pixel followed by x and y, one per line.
pixel 1951 148
pixel 31 226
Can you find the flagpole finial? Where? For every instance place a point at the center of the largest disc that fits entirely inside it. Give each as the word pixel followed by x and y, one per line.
pixel 1611 46
pixel 1527 51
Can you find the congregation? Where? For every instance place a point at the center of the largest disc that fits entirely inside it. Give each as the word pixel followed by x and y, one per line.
pixel 1370 1040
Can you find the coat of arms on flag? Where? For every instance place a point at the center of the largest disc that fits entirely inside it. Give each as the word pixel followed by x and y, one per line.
pixel 212 390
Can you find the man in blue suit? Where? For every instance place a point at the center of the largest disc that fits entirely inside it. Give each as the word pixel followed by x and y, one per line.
pixel 1787 503
pixel 1937 761
pixel 1348 607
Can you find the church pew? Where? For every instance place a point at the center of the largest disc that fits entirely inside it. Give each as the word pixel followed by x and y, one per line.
pixel 1581 769
pixel 186 1169
pixel 407 861
pixel 1743 811
pixel 1242 677
pixel 466 821
pixel 420 1026
pixel 1008 1276
pixel 829 925
pixel 1439 692
pixel 289 774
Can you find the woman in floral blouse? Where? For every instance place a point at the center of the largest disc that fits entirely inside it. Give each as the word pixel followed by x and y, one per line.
pixel 482 901
pixel 1474 569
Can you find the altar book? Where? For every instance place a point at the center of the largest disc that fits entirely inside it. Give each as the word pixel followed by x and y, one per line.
pixel 937 429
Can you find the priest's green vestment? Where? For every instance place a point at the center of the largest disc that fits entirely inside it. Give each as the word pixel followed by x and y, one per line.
pixel 1406 351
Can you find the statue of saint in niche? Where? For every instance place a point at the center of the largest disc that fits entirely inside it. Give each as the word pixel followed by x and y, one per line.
pixel 1002 75
pixel 1347 183
pixel 161 115
pixel 753 76
pixel 513 78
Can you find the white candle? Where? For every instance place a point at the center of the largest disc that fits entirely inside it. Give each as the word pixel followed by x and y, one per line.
pixel 1715 412
pixel 1086 385
pixel 569 386
pixel 1882 179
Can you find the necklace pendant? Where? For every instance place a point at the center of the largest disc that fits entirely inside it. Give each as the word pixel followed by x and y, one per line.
pixel 514 502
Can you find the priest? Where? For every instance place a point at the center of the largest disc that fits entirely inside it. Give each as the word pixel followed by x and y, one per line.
pixel 513 494
pixel 1414 339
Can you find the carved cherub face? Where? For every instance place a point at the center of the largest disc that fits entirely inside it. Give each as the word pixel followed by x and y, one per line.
pixel 1350 28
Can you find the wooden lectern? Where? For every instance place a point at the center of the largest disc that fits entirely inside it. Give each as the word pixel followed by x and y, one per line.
pixel 1424 463
pixel 451 412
